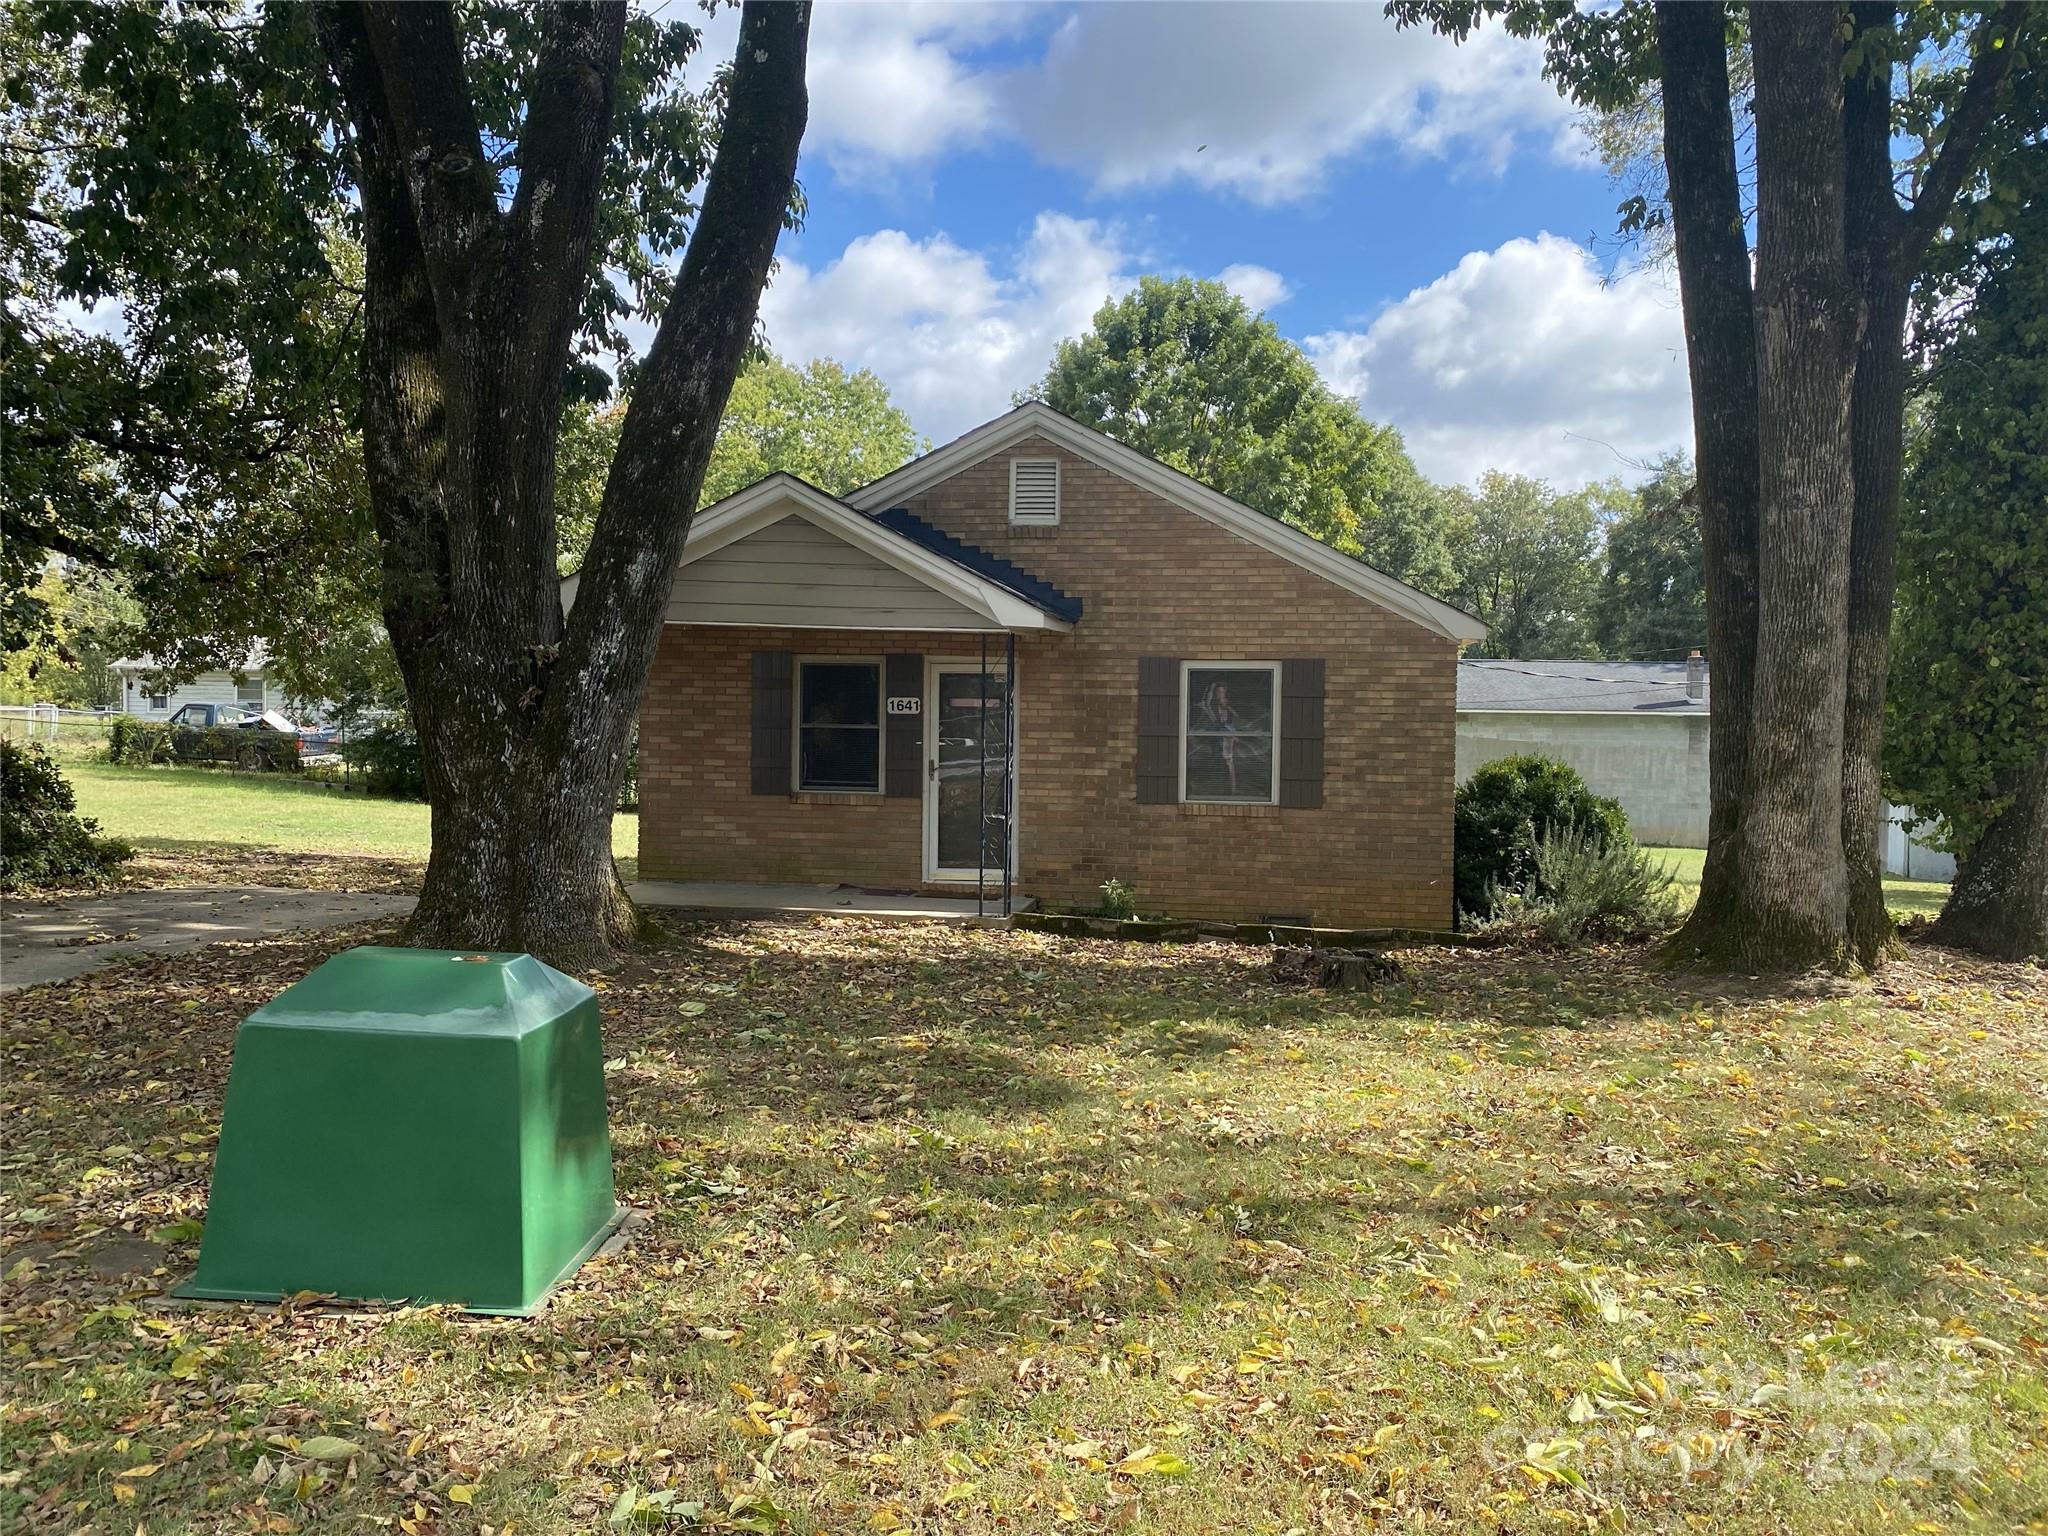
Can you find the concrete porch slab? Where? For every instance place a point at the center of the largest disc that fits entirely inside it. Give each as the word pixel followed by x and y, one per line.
pixel 842 900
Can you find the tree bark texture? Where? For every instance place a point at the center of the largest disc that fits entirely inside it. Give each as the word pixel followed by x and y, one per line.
pixel 469 315
pixel 1791 893
pixel 1999 902
pixel 1877 427
pixel 1886 245
pixel 1720 345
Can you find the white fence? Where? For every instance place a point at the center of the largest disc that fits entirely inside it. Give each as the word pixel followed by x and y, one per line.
pixel 47 722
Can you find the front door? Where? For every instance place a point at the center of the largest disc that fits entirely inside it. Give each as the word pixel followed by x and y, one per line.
pixel 966 831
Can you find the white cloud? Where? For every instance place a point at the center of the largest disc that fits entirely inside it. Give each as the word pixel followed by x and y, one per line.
pixel 1523 359
pixel 893 85
pixel 1258 100
pixel 1260 287
pixel 951 333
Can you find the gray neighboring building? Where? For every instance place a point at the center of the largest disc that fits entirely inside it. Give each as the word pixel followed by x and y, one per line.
pixel 1636 730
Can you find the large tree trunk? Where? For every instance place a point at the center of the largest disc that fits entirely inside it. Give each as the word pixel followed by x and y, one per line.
pixel 1999 902
pixel 1791 892
pixel 1720 344
pixel 523 716
pixel 1877 446
pixel 1886 245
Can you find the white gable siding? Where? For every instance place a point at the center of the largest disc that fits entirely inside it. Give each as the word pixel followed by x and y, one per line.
pixel 793 572
pixel 206 688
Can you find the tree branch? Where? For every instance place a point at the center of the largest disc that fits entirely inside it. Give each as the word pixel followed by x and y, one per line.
pixel 20 530
pixel 672 420
pixel 422 99
pixel 561 152
pixel 1992 47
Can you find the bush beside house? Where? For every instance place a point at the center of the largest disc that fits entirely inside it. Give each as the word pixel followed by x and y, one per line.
pixel 1505 807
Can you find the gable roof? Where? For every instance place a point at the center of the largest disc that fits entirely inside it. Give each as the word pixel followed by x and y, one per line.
pixel 1579 687
pixel 1006 596
pixel 1034 418
pixel 1032 589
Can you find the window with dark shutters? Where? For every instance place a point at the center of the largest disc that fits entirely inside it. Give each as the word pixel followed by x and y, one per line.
pixel 903 750
pixel 769 759
pixel 1158 730
pixel 1301 733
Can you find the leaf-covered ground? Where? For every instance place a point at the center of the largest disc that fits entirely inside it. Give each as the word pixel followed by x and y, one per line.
pixel 978 1232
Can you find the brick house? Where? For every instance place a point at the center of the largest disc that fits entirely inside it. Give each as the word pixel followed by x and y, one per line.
pixel 1037 648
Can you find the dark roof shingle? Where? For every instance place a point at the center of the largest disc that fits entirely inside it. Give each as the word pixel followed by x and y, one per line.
pixel 1041 594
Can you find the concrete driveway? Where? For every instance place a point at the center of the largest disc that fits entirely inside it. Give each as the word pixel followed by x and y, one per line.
pixel 53 940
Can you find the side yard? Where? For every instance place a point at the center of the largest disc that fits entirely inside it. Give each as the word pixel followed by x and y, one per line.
pixel 1906 898
pixel 981 1232
pixel 195 825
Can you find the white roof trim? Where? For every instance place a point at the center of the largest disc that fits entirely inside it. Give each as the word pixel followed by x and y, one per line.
pixel 1036 419
pixel 782 495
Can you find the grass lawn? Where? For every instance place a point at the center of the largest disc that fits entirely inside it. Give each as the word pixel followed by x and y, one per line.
pixel 959 1231
pixel 200 824
pixel 1906 898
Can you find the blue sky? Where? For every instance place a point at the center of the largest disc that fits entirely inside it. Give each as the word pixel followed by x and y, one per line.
pixel 1424 219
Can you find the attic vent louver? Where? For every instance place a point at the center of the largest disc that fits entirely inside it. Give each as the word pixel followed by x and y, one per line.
pixel 1035 492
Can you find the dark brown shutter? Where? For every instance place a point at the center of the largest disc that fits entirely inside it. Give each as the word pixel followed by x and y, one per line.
pixel 1301 733
pixel 1158 730
pixel 773 708
pixel 903 735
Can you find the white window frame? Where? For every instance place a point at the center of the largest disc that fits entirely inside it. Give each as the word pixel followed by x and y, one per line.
pixel 259 703
pixel 1058 494
pixel 796 726
pixel 159 700
pixel 1273 790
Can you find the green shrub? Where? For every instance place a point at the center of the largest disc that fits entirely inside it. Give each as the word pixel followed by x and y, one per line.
pixel 1502 810
pixel 387 756
pixel 43 841
pixel 1584 885
pixel 1118 900
pixel 138 742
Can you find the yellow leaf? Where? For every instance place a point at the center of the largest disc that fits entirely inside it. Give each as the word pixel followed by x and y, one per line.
pixel 1147 1462
pixel 147 1469
pixel 941 1420
pixel 462 1493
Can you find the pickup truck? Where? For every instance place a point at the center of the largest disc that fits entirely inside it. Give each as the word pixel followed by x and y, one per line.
pixel 232 733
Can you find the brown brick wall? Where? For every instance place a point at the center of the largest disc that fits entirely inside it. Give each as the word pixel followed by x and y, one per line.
pixel 1157 581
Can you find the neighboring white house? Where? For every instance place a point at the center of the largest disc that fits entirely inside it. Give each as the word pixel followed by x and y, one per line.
pixel 146 697
pixel 1637 731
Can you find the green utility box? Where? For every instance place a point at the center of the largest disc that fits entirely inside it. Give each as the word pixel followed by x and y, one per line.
pixel 412 1124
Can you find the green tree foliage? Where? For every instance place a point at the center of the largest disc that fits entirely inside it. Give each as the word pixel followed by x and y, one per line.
pixel 67 658
pixel 174 178
pixel 1503 809
pixel 836 428
pixel 1182 370
pixel 1527 563
pixel 1968 706
pixel 183 178
pixel 1652 604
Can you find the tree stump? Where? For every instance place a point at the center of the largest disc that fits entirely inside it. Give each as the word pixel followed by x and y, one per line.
pixel 1337 970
